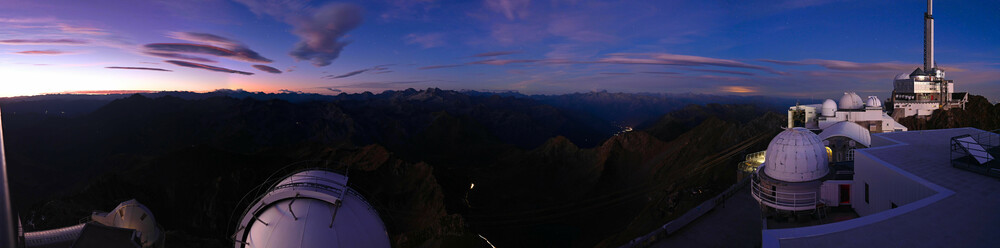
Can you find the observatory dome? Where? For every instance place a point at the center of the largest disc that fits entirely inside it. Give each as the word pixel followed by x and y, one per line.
pixel 313 208
pixel 903 76
pixel 829 108
pixel 851 100
pixel 796 155
pixel 873 101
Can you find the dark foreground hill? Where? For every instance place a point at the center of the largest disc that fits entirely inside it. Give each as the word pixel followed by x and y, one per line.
pixel 978 113
pixel 544 176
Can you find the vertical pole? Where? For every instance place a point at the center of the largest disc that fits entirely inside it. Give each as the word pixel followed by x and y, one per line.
pixel 929 39
pixel 7 238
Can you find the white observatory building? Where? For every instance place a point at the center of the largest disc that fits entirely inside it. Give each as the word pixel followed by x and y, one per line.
pixel 869 114
pixel 312 208
pixel 925 89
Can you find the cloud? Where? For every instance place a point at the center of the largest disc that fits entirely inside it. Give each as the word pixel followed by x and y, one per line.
pixel 321 33
pixel 846 65
pixel 136 68
pixel 81 30
pixel 502 61
pixel 241 53
pixel 616 73
pixel 44 42
pixel 512 9
pixel 494 54
pixel 378 69
pixel 738 89
pixel 334 90
pixel 426 40
pixel 676 59
pixel 438 66
pixel 180 56
pixel 725 72
pixel 44 52
pixel 267 69
pixel 348 74
pixel 206 67
pixel 381 85
pixel 287 91
pixel 660 72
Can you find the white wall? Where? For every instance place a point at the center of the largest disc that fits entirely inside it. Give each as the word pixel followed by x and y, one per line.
pixel 886 186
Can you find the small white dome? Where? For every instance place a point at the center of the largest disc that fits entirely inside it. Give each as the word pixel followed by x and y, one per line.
pixel 829 108
pixel 873 101
pixel 796 155
pixel 851 100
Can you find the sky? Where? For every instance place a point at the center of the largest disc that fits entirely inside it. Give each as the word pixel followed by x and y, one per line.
pixel 809 49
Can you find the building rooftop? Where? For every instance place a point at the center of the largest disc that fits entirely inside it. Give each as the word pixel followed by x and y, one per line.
pixel 963 209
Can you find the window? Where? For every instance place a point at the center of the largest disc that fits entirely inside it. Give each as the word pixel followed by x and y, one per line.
pixel 866 193
pixel 893 205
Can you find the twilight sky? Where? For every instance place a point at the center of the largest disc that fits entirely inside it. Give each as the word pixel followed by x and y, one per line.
pixel 809 49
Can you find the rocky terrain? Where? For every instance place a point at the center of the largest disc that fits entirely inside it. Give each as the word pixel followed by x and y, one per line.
pixel 544 175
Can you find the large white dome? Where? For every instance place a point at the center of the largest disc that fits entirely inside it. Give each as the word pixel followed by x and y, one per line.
pixel 796 155
pixel 851 100
pixel 829 108
pixel 313 208
pixel 849 130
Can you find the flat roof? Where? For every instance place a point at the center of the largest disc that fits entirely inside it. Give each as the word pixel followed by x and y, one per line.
pixel 965 211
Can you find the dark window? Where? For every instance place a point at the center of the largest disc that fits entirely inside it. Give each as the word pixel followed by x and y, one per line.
pixel 143 217
pixel 893 204
pixel 774 190
pixel 866 193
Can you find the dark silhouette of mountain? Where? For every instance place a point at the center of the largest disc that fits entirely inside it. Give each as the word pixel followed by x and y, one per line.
pixel 544 176
pixel 978 113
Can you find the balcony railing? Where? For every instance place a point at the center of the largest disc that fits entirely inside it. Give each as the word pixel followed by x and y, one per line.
pixel 977 152
pixel 795 201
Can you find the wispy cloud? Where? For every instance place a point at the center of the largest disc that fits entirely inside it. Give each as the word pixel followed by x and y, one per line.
pixel 379 85
pixel 512 9
pixel 494 54
pixel 439 66
pixel 81 30
pixel 44 52
pixel 206 67
pixel 136 68
pixel 725 72
pixel 267 69
pixel 846 65
pixel 241 53
pixel 179 56
pixel 738 89
pixel 320 30
pixel 502 61
pixel 430 40
pixel 44 42
pixel 376 69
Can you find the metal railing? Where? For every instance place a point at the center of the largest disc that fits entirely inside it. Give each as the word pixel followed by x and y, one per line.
pixel 780 199
pixel 977 152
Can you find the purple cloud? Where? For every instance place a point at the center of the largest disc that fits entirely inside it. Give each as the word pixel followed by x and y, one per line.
pixel 426 40
pixel 44 52
pixel 660 72
pixel 237 47
pixel 438 66
pixel 724 71
pixel 241 53
pixel 494 54
pixel 205 67
pixel 267 69
pixel 136 68
pixel 321 32
pixel 676 59
pixel 43 42
pixel 180 56
pixel 846 65
pixel 81 30
pixel 378 69
pixel 512 9
pixel 502 61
